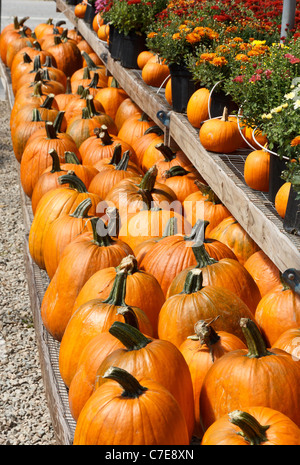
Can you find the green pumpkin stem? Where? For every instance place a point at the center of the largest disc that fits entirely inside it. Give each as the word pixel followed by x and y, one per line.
pixel 147 199
pixel 251 430
pixel 149 179
pixel 203 259
pixel 154 130
pixel 171 227
pixel 94 81
pixel 74 181
pixel 254 340
pixel 123 164
pixel 101 235
pixel 26 58
pixel 68 86
pixel 175 171
pixel 130 337
pixel 86 73
pixel 70 157
pixel 131 387
pixel 55 161
pixel 118 291
pixel 89 62
pixel 37 89
pixel 36 116
pixel 91 107
pixel 193 281
pixel 82 209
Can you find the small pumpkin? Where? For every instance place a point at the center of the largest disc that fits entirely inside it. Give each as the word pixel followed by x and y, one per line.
pixel 221 135
pixel 155 72
pixel 197 107
pixel 257 169
pixel 134 127
pixel 281 199
pixel 111 98
pixel 181 181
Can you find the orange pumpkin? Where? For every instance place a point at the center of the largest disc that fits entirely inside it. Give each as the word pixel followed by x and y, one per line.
pixel 126 109
pixel 92 318
pixel 221 135
pixel 197 107
pixel 125 398
pixel 155 72
pixel 134 127
pixel 281 199
pixel 81 258
pixel 111 98
pixel 264 272
pixel 200 351
pixel 256 170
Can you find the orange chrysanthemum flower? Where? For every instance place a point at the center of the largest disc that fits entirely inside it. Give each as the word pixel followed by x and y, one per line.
pixel 295 141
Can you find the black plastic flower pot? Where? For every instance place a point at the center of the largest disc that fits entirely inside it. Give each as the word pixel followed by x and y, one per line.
pixel 219 100
pixel 291 223
pixel 89 14
pixel 277 165
pixel 182 86
pixel 115 43
pixel 133 45
pixel 73 2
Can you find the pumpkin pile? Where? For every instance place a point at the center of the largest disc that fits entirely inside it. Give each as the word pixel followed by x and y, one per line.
pixel 172 323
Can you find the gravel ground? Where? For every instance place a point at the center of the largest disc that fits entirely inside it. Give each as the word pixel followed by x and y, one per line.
pixel 24 415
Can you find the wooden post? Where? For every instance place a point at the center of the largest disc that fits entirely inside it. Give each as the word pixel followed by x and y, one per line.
pixel 288 17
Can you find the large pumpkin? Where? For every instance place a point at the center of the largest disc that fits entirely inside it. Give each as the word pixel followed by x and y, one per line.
pixel 251 377
pixel 200 351
pixel 180 312
pixel 92 318
pixel 162 425
pixel 257 426
pixel 225 273
pixel 157 358
pixel 264 272
pixel 279 309
pixel 142 289
pixel 81 258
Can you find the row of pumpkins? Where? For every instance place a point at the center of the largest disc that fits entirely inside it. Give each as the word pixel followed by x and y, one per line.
pixel 172 323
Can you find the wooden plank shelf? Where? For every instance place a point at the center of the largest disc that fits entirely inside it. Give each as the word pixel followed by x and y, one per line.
pixel 252 209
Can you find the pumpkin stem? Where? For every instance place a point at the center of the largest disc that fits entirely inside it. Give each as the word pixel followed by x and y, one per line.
pixel 198 231
pixel 104 135
pixel 147 198
pixel 175 171
pixel 37 89
pixel 94 81
pixel 129 316
pixel 100 233
pixel 166 151
pixel 50 130
pixel 171 227
pixel 154 129
pixel 48 101
pixel 193 281
pixel 114 83
pixel 82 209
pixel 144 117
pixel 70 157
pixel 131 387
pixel 68 86
pixel 149 179
pixel 91 107
pixel 123 164
pixel 58 121
pixel 74 181
pixel 86 73
pixel 48 63
pixel 117 155
pixel 113 226
pixel 254 340
pixel 130 337
pixel 252 431
pixel 89 62
pixel 202 257
pixel 37 46
pixel 36 116
pixel 55 161
pixel 118 291
pixel 85 113
pixel 225 114
pixel 129 264
pixel 26 58
pixel 205 334
pixel 79 90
